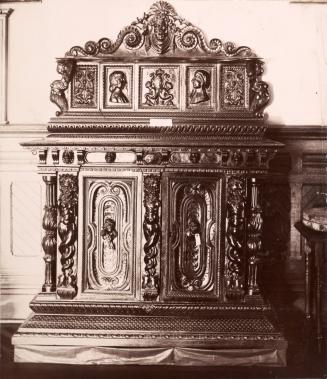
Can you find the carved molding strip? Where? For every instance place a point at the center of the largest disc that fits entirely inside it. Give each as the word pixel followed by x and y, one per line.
pixel 67 230
pixel 235 130
pixel 161 31
pixel 152 234
pixel 235 237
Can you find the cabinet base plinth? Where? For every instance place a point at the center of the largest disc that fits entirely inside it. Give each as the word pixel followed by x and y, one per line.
pixel 228 339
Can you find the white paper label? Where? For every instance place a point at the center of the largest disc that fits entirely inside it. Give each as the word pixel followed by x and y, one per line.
pixel 161 122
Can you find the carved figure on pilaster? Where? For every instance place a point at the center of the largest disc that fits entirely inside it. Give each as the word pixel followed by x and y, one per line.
pixel 235 237
pixel 254 239
pixel 58 87
pixel 67 230
pixel 49 240
pixel 152 233
pixel 259 90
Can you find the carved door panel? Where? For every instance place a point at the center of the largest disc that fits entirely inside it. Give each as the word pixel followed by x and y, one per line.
pixel 111 259
pixel 191 225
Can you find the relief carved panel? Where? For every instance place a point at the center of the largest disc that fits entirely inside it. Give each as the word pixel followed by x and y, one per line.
pixel 85 87
pixel 159 87
pixel 234 88
pixel 110 225
pixel 193 245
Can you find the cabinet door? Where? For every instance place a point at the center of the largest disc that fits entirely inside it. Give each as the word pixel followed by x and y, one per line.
pixel 111 258
pixel 191 236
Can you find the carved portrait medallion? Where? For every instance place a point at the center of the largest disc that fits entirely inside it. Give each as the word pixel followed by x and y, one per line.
pixel 199 87
pixel 118 86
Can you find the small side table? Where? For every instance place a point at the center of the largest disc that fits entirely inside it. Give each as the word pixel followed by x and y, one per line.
pixel 313 266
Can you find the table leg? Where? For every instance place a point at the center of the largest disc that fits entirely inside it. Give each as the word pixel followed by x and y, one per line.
pixel 318 257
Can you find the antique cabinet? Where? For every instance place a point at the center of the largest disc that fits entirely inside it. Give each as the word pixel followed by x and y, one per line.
pixel 153 224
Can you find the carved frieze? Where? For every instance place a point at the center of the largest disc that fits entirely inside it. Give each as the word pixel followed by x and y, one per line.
pixel 68 156
pixel 152 235
pixel 67 231
pixel 235 237
pixel 110 243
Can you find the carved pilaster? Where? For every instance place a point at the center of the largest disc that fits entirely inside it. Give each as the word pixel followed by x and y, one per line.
pixel 254 239
pixel 49 241
pixel 67 230
pixel 58 87
pixel 235 237
pixel 152 233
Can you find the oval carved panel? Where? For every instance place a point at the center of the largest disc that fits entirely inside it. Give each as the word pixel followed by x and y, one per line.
pixel 110 244
pixel 193 246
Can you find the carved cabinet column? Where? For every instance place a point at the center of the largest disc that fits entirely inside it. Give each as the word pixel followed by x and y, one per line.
pixel 152 234
pixel 254 238
pixel 67 231
pixel 49 241
pixel 235 237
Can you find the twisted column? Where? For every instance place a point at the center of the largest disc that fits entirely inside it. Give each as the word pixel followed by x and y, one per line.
pixel 49 240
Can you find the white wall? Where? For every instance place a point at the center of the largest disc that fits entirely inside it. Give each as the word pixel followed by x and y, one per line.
pixel 292 38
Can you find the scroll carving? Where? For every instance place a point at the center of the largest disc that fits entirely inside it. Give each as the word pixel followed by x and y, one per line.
pixel 49 240
pixel 161 31
pixel 152 234
pixel 259 90
pixel 254 239
pixel 67 230
pixel 235 237
pixel 58 87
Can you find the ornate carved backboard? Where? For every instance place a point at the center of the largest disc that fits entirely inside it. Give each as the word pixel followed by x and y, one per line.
pixel 160 65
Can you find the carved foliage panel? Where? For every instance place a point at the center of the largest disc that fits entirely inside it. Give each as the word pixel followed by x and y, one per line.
pixel 193 243
pixel 234 88
pixel 110 237
pixel 85 87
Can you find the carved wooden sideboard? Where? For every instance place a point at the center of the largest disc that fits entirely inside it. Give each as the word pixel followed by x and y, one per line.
pixel 152 224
